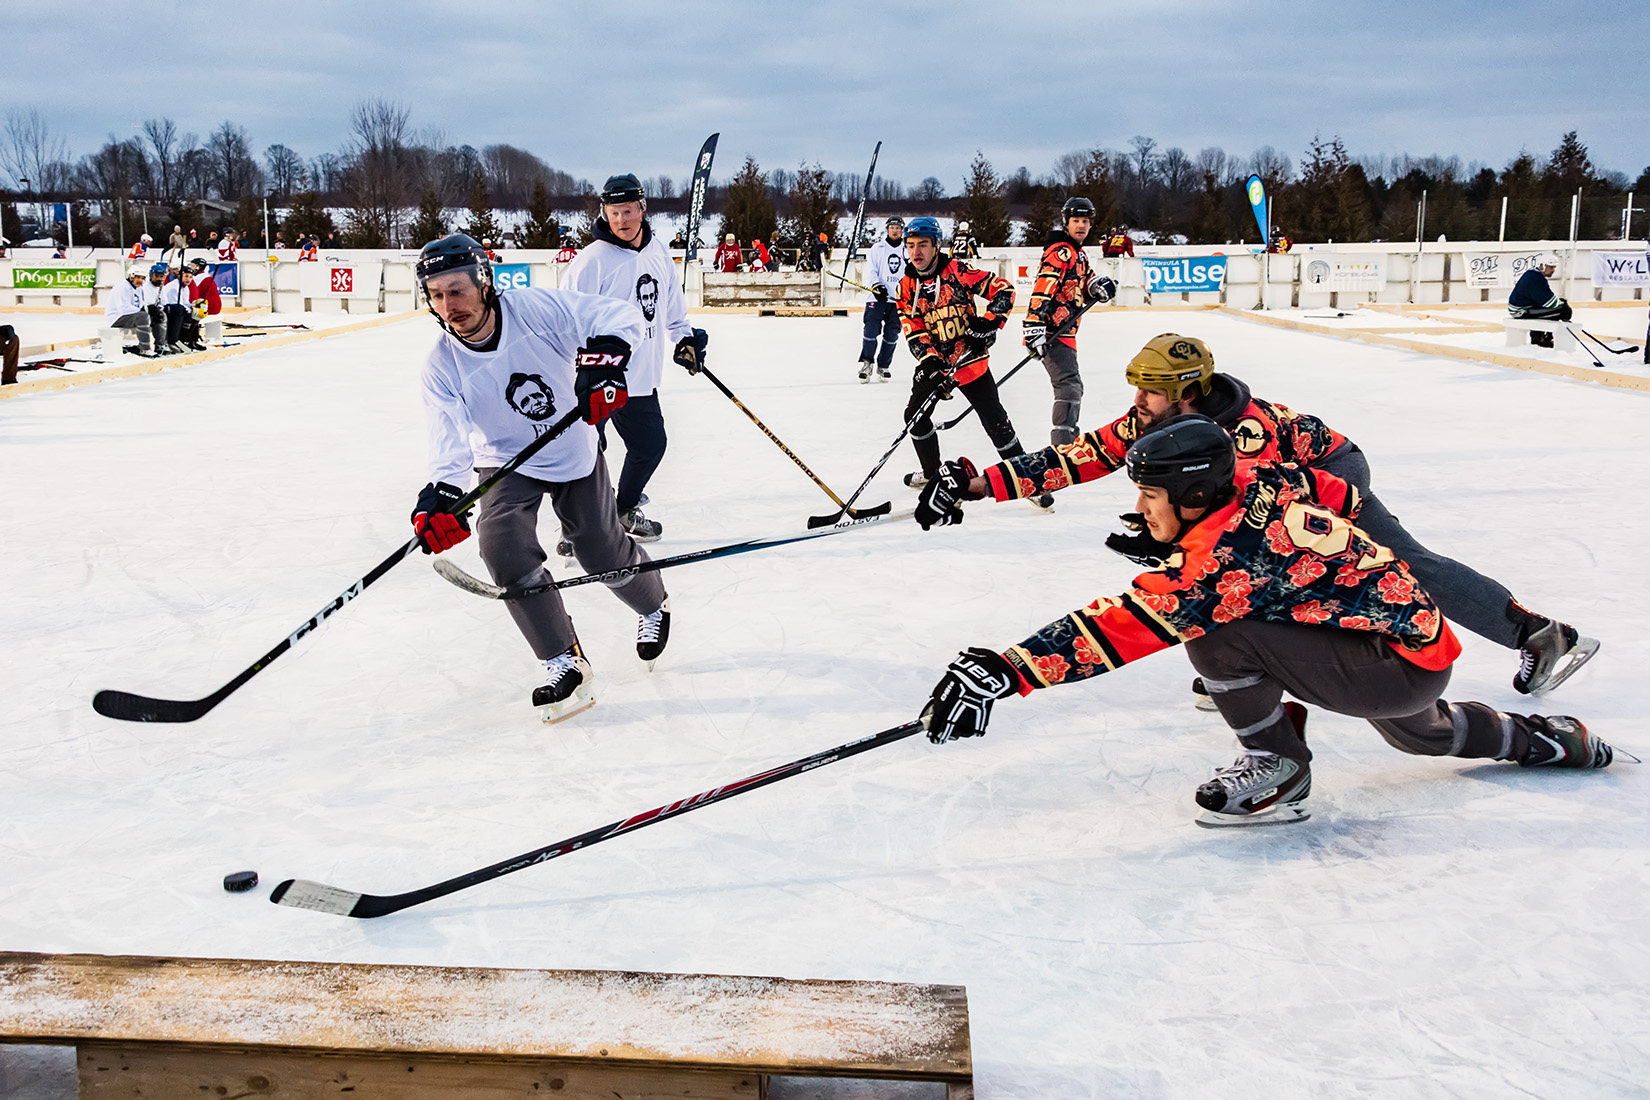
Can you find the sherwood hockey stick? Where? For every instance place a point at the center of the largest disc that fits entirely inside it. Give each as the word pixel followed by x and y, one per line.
pixel 303 894
pixel 790 454
pixel 141 708
pixel 476 586
pixel 1030 355
pixel 923 410
pixel 850 282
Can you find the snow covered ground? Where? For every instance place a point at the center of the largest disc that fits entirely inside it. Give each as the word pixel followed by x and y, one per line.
pixel 1440 928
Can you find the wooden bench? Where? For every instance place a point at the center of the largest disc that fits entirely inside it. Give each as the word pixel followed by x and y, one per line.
pixel 1518 329
pixel 161 1027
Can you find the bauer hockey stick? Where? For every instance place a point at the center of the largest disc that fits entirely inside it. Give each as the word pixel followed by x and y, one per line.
pixel 141 708
pixel 451 573
pixel 1030 355
pixel 790 454
pixel 923 410
pixel 303 894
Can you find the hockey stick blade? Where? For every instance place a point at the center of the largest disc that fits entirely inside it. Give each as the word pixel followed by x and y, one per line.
pixel 321 898
pixel 127 707
pixel 451 573
pixel 815 522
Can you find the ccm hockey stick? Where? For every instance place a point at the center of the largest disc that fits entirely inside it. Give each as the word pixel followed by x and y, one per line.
pixel 790 454
pixel 141 708
pixel 303 894
pixel 476 586
pixel 1069 322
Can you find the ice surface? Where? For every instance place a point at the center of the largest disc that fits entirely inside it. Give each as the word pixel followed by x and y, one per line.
pixel 1440 928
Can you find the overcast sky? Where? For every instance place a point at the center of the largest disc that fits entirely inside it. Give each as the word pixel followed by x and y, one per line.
pixel 596 88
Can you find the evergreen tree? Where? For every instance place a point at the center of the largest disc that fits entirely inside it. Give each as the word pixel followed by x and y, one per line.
pixel 982 205
pixel 541 229
pixel 813 210
pixel 482 226
pixel 1041 216
pixel 306 215
pixel 1209 222
pixel 748 211
pixel 249 219
pixel 428 225
pixel 1097 182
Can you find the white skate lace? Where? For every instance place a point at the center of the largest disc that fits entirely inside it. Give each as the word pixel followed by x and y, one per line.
pixel 1528 658
pixel 1251 763
pixel 556 668
pixel 647 627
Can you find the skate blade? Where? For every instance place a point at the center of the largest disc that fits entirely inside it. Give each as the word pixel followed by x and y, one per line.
pixel 1578 655
pixel 1275 815
pixel 1203 702
pixel 581 700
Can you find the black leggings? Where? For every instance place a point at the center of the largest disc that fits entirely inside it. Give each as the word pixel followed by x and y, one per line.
pixel 982 394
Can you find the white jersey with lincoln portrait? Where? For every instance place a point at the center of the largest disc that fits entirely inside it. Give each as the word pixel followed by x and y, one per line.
pixel 646 277
pixel 485 405
pixel 885 265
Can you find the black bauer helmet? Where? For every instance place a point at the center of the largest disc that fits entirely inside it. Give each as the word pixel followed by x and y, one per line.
pixel 1076 207
pixel 1188 456
pixel 625 188
pixel 456 252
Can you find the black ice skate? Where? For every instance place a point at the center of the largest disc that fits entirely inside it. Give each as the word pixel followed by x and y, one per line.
pixel 1045 502
pixel 652 634
pixel 1564 742
pixel 1201 698
pixel 1259 788
pixel 916 479
pixel 1549 655
pixel 564 549
pixel 567 687
pixel 865 368
pixel 639 527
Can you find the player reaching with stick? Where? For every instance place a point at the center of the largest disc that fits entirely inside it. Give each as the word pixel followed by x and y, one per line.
pixel 505 368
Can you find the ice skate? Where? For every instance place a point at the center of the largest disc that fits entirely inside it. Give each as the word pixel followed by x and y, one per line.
pixel 639 527
pixel 1551 655
pixel 564 548
pixel 916 480
pixel 1201 698
pixel 652 634
pixel 1043 502
pixel 884 374
pixel 1259 787
pixel 1564 742
pixel 567 687
pixel 865 368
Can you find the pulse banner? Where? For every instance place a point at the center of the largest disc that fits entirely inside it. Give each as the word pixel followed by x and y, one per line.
pixel 512 276
pixel 1256 190
pixel 1183 273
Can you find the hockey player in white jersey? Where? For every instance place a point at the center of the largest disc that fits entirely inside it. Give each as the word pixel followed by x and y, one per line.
pixel 884 266
pixel 506 368
pixel 627 262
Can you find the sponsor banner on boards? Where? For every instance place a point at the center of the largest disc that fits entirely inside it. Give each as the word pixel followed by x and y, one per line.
pixel 1183 273
pixel 331 279
pixel 1621 268
pixel 1486 270
pixel 512 276
pixel 53 277
pixel 1335 271
pixel 228 278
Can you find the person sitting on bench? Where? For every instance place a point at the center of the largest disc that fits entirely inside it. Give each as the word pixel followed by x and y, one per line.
pixel 1532 298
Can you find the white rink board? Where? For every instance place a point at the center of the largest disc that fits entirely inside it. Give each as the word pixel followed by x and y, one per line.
pixel 1439 929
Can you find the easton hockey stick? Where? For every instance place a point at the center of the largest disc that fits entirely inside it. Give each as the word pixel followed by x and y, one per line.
pixel 303 894
pixel 141 708
pixel 923 410
pixel 476 586
pixel 790 454
pixel 1030 355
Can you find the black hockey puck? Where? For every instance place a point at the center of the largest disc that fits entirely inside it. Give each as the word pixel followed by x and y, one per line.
pixel 239 882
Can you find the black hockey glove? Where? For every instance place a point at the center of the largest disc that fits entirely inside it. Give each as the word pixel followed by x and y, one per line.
pixel 880 293
pixel 937 506
pixel 690 350
pixel 599 382
pixel 934 374
pixel 981 334
pixel 1101 289
pixel 1140 547
pixel 433 520
pixel 1035 336
pixel 961 703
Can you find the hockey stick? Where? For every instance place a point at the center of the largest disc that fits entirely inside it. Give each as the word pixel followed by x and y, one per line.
pixel 1030 355
pixel 790 454
pixel 859 218
pixel 141 708
pixel 303 894
pixel 1613 351
pixel 237 324
pixel 923 410
pixel 451 573
pixel 850 282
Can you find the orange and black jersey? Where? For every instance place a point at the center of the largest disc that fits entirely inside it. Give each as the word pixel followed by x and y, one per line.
pixel 1285 550
pixel 934 311
pixel 1260 430
pixel 1061 286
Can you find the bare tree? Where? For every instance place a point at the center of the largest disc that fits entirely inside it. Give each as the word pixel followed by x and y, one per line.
pixel 1143 158
pixel 379 181
pixel 30 150
pixel 929 190
pixel 1175 169
pixel 284 168
pixel 1211 161
pixel 234 170
pixel 163 139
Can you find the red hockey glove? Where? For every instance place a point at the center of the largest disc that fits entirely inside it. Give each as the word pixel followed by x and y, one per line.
pixel 433 521
pixel 599 382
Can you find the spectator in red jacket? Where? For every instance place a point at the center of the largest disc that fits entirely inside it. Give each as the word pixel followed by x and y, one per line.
pixel 727 254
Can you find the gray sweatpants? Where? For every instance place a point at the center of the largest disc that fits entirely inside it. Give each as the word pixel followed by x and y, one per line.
pixel 139 323
pixel 507 531
pixel 1060 360
pixel 1249 664
pixel 1465 596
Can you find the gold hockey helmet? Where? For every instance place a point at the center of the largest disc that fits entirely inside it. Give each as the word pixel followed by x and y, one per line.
pixel 1171 363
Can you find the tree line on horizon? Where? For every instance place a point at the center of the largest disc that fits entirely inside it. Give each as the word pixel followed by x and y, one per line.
pixel 395 186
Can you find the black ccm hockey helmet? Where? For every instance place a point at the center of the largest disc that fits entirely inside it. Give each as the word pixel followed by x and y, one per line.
pixel 454 252
pixel 1190 457
pixel 1076 207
